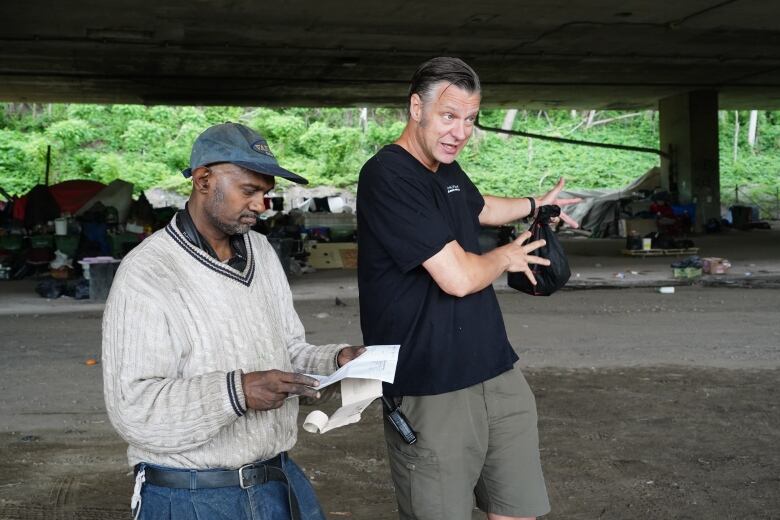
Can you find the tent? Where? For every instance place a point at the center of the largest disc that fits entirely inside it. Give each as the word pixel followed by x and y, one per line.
pixel 600 210
pixel 118 194
pixel 63 197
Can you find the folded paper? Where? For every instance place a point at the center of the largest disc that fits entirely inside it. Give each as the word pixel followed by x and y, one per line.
pixel 361 383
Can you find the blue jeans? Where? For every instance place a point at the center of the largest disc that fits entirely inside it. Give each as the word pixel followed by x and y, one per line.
pixel 262 502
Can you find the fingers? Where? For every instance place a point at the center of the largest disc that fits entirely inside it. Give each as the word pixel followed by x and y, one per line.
pixel 267 390
pixel 569 221
pixel 567 202
pixel 296 378
pixel 301 390
pixel 531 259
pixel 347 354
pixel 533 246
pixel 530 275
pixel 297 384
pixel 525 235
pixel 557 188
pixel 519 258
pixel 553 193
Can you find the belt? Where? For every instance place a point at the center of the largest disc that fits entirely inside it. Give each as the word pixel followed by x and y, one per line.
pixel 246 476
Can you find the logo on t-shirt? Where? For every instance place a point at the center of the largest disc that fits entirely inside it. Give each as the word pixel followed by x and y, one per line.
pixel 453 187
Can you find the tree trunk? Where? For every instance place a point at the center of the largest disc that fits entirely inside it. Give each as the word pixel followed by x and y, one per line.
pixel 753 128
pixel 547 117
pixel 591 116
pixel 736 134
pixel 509 121
pixel 364 119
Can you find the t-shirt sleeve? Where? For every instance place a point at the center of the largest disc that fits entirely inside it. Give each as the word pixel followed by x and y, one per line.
pixel 475 199
pixel 400 211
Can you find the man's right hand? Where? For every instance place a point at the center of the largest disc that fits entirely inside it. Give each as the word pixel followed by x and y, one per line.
pixel 266 390
pixel 519 258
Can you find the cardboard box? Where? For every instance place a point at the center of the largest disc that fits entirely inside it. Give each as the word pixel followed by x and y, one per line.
pixel 336 255
pixel 714 265
pixel 348 258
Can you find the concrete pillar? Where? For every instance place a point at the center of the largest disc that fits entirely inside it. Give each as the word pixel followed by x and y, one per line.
pixel 689 132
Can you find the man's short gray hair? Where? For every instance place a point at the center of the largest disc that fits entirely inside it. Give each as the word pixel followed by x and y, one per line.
pixel 453 71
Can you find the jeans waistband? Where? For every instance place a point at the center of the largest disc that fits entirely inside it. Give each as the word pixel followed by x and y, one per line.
pixel 248 475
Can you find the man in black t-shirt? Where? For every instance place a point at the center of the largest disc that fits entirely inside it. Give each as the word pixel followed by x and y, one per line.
pixel 424 284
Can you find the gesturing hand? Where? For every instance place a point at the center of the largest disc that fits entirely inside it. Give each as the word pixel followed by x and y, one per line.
pixel 266 390
pixel 551 197
pixel 519 257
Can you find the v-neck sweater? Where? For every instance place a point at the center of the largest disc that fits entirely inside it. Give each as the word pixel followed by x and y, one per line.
pixel 179 329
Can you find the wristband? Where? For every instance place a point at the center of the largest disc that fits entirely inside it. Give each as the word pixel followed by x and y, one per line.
pixel 533 207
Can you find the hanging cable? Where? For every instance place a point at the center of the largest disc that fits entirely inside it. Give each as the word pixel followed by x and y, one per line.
pixel 563 140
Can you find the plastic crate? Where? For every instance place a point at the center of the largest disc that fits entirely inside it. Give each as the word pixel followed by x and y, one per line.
pixel 42 241
pixel 11 242
pixel 67 244
pixel 687 272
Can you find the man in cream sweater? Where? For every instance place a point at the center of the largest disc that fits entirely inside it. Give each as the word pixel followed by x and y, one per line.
pixel 202 348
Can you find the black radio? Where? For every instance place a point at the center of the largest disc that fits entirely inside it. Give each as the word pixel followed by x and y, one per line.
pixel 399 421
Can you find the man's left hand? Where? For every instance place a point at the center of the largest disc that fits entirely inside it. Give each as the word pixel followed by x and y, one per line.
pixel 551 197
pixel 347 354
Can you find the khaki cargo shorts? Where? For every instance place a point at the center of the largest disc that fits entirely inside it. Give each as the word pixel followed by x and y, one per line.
pixel 479 441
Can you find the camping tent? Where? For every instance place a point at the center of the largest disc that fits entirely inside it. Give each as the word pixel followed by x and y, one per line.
pixel 599 210
pixel 118 194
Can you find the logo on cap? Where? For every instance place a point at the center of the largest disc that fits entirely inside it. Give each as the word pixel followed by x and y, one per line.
pixel 262 147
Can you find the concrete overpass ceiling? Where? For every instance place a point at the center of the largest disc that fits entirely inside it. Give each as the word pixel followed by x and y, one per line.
pixel 555 54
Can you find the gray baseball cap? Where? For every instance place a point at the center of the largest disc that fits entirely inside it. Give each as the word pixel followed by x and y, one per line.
pixel 237 144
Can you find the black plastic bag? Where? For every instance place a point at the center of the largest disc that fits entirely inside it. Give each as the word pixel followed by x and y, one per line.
pixel 50 288
pixel 549 278
pixel 81 290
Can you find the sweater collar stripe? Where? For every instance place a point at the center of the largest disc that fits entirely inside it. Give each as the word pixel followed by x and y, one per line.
pixel 244 277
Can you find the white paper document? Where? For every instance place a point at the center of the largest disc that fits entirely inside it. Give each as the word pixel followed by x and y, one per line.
pixel 377 362
pixel 356 395
pixel 361 383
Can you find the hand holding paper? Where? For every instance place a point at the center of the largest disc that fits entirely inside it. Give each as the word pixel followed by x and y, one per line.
pixel 377 362
pixel 361 383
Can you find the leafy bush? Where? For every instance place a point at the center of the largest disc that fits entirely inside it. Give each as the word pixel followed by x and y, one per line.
pixel 149 146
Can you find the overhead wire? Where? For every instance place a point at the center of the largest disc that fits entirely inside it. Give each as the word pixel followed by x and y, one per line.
pixel 519 133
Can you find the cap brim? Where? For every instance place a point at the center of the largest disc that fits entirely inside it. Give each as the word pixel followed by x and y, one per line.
pixel 274 170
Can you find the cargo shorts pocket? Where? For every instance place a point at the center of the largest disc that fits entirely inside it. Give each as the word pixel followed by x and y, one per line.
pixel 418 485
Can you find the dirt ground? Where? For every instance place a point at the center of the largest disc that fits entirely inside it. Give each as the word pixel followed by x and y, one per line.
pixel 651 406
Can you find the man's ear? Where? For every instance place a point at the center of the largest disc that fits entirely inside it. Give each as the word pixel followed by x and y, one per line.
pixel 201 177
pixel 415 107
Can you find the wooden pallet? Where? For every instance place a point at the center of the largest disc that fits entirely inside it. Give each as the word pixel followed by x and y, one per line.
pixel 661 252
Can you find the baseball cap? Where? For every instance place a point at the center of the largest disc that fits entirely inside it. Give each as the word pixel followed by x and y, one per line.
pixel 240 145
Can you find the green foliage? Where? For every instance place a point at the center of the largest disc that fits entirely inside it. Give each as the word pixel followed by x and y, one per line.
pixel 149 146
pixel 144 137
pixel 518 166
pixel 69 134
pixel 751 172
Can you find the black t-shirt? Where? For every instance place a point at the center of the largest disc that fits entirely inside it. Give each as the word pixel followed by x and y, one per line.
pixel 407 214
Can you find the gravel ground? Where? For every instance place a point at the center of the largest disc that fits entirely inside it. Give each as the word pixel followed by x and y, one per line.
pixel 651 406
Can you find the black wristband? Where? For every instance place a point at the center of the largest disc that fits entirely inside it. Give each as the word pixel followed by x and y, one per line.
pixel 533 207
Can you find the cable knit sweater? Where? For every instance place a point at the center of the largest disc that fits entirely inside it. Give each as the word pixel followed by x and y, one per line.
pixel 179 328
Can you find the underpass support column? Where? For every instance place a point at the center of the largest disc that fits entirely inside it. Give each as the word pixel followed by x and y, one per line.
pixel 689 133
